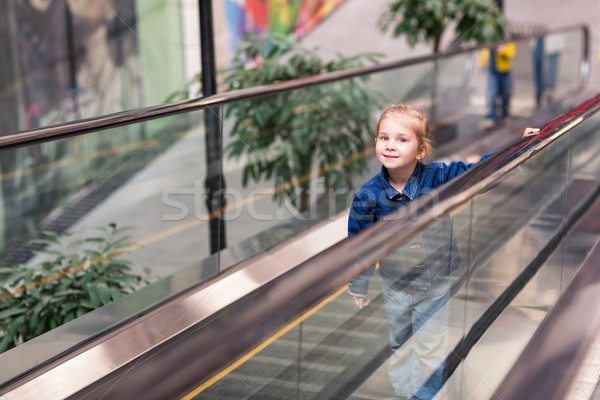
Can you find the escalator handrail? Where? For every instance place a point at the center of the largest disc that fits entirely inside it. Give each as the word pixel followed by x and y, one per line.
pixel 340 260
pixel 549 363
pixel 301 288
pixel 81 127
pixel 172 367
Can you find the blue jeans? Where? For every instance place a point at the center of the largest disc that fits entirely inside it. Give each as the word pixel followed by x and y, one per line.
pixel 551 71
pixel 499 85
pixel 418 338
pixel 538 68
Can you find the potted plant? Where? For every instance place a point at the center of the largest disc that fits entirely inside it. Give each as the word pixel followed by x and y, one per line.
pixel 73 280
pixel 290 134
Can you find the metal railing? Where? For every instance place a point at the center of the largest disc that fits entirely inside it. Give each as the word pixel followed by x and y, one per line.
pixel 287 296
pixel 169 365
pixel 312 280
pixel 82 127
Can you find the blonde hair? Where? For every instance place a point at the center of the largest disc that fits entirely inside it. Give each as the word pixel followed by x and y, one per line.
pixel 419 124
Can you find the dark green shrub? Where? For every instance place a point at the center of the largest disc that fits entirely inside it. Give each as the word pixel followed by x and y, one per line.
pixel 77 278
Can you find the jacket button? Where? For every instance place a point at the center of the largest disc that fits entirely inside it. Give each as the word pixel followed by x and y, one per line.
pixel 415 246
pixel 421 266
pixel 404 198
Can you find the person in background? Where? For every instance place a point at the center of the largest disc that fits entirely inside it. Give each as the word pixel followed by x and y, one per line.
pixel 499 62
pixel 538 69
pixel 554 45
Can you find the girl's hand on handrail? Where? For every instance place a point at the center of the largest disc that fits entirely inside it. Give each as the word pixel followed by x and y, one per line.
pixel 530 132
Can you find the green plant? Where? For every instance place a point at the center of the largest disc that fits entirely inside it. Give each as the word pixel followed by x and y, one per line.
pixel 288 135
pixel 77 278
pixel 427 20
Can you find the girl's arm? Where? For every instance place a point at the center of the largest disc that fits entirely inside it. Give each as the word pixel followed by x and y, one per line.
pixel 458 167
pixel 361 216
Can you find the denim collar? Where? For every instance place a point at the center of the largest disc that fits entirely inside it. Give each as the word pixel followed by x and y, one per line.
pixel 410 189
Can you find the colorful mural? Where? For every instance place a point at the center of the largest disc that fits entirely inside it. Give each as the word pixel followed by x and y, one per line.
pixel 290 17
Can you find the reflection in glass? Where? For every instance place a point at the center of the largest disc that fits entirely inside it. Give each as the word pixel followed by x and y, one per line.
pixel 156 181
pixel 289 156
pixel 511 223
pixel 416 290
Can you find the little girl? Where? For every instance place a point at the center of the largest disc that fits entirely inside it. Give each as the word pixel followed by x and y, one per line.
pixel 415 278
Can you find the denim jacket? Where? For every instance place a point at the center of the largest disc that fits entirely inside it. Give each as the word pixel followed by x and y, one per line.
pixel 427 259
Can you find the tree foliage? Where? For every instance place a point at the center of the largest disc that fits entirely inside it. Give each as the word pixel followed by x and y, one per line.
pixel 427 20
pixel 287 134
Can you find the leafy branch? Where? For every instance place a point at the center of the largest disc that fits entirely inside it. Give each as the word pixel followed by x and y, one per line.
pixel 77 277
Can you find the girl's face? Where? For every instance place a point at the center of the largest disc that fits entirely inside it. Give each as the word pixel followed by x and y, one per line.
pixel 396 146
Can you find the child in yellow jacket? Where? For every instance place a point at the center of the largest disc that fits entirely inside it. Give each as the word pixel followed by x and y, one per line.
pixel 499 62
